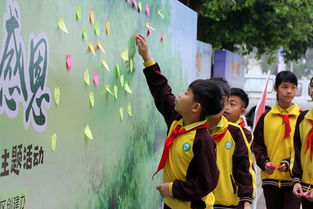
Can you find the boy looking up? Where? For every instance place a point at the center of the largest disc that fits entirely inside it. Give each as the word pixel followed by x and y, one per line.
pixel 188 159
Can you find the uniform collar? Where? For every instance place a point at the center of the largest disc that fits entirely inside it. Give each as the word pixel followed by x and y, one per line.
pixel 220 127
pixel 292 110
pixel 309 114
pixel 192 125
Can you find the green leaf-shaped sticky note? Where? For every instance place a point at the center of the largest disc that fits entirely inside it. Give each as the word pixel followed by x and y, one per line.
pixel 88 133
pixel 97 28
pixel 108 89
pixel 115 91
pixel 121 113
pixel 117 70
pixel 91 98
pixel 56 92
pixel 53 143
pixel 127 89
pixel 78 13
pixel 129 110
pixel 61 25
pixel 105 65
pixel 122 80
pixel 86 77
pixel 84 33
pixel 131 65
pixel 124 55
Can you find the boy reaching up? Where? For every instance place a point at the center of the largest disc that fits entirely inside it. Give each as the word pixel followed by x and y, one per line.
pixel 188 159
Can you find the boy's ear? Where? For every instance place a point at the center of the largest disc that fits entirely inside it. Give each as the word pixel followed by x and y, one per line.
pixel 196 107
pixel 242 111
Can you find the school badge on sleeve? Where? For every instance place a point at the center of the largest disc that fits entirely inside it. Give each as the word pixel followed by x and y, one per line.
pixel 228 145
pixel 186 147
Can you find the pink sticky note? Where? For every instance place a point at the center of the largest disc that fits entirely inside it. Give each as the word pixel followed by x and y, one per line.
pixel 147 9
pixel 95 78
pixel 303 194
pixel 134 4
pixel 162 37
pixel 68 62
pixel 149 32
pixel 272 165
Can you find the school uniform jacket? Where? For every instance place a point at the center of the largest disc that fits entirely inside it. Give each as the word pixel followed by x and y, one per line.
pixel 234 159
pixel 269 144
pixel 301 166
pixel 191 165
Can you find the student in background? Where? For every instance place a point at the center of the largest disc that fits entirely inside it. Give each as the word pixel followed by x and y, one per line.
pixel 236 108
pixel 311 88
pixel 188 160
pixel 301 161
pixel 273 143
pixel 236 184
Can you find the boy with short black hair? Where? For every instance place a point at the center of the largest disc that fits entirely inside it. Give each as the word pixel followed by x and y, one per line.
pixel 236 184
pixel 238 102
pixel 189 160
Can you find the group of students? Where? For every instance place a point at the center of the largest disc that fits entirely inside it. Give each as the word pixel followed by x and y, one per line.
pixel 207 156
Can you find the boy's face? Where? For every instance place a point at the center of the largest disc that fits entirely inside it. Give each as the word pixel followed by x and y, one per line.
pixel 286 91
pixel 185 103
pixel 311 89
pixel 235 109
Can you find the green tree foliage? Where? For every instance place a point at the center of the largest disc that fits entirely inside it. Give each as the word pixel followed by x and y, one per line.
pixel 266 25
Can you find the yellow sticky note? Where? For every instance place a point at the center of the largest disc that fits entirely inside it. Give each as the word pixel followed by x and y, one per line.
pixel 121 113
pixel 108 89
pixel 160 14
pixel 131 65
pixel 91 48
pixel 115 91
pixel 61 25
pixel 56 92
pixel 91 98
pixel 127 89
pixel 122 80
pixel 97 28
pixel 53 142
pixel 100 47
pixel 124 55
pixel 105 65
pixel 86 77
pixel 84 33
pixel 108 28
pixel 117 70
pixel 129 110
pixel 149 26
pixel 88 133
pixel 78 13
pixel 92 16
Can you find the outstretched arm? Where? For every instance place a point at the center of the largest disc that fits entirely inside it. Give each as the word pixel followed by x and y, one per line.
pixel 158 85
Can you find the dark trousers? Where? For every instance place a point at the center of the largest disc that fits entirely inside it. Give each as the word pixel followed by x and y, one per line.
pixel 280 198
pixel 166 207
pixel 306 204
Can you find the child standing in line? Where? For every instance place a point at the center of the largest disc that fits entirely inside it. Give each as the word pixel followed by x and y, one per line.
pixel 301 164
pixel 236 185
pixel 273 143
pixel 238 102
pixel 188 160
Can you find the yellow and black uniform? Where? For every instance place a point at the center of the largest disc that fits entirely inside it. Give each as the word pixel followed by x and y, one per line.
pixel 191 164
pixel 273 142
pixel 236 183
pixel 247 132
pixel 301 164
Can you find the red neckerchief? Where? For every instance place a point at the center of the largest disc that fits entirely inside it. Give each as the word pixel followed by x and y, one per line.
pixel 170 139
pixel 309 141
pixel 219 137
pixel 287 125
